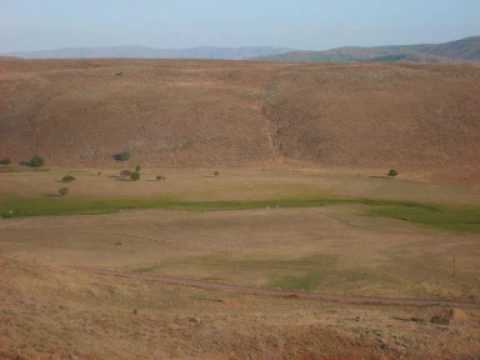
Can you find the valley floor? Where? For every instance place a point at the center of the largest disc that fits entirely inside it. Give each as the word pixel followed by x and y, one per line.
pixel 249 264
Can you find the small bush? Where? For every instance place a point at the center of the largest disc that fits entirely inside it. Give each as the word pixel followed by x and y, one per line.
pixel 35 161
pixel 123 156
pixel 5 161
pixel 393 173
pixel 216 173
pixel 68 179
pixel 138 168
pixel 63 191
pixel 161 178
pixel 8 214
pixel 135 176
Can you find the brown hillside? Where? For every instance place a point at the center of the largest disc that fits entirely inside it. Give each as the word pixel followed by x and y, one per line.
pixel 200 113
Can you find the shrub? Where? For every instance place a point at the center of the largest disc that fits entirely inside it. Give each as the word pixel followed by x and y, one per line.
pixel 35 161
pixel 393 173
pixel 216 173
pixel 8 214
pixel 5 161
pixel 63 191
pixel 135 176
pixel 161 178
pixel 138 168
pixel 68 179
pixel 123 156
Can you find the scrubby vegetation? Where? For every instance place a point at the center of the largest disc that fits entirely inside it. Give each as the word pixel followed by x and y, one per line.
pixel 161 178
pixel 35 162
pixel 216 173
pixel 135 176
pixel 68 179
pixel 5 161
pixel 393 173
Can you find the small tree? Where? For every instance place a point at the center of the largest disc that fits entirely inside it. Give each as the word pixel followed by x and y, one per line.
pixel 135 176
pixel 5 161
pixel 63 191
pixel 8 214
pixel 138 168
pixel 216 173
pixel 161 178
pixel 393 173
pixel 68 179
pixel 35 161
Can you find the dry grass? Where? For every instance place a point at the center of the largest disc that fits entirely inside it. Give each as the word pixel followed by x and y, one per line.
pixel 203 113
pixel 52 304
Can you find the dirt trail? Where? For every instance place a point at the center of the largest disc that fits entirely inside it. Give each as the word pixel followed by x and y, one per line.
pixel 288 294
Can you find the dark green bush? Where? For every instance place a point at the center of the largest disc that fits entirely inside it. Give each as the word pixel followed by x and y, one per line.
pixel 5 161
pixel 123 156
pixel 135 176
pixel 393 173
pixel 138 168
pixel 8 214
pixel 68 179
pixel 161 178
pixel 35 161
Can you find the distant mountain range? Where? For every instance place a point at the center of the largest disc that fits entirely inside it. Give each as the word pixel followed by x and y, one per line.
pixel 467 49
pixel 143 52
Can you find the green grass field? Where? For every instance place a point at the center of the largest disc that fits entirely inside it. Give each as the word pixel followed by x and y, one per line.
pixel 452 218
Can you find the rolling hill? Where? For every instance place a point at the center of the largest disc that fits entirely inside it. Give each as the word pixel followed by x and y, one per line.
pixel 457 51
pixel 219 113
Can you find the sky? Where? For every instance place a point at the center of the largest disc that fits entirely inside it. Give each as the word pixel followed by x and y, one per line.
pixel 27 25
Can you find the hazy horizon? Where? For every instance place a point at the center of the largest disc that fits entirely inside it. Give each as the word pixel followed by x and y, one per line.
pixel 304 24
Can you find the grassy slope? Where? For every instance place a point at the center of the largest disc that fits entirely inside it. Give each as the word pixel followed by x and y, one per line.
pixel 209 113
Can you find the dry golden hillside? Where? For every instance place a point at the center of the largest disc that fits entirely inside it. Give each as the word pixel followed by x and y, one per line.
pixel 202 113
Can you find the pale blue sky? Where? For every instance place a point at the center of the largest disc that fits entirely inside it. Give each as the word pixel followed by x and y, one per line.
pixel 301 24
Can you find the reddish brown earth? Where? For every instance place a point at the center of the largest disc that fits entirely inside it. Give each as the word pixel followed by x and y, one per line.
pixel 202 113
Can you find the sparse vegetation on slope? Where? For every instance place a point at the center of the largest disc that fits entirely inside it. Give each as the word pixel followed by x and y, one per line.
pixel 35 162
pixel 228 113
pixel 68 179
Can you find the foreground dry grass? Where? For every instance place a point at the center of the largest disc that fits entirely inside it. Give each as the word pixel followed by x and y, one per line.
pixel 57 302
pixel 55 313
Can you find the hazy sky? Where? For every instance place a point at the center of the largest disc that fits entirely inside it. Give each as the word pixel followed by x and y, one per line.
pixel 302 24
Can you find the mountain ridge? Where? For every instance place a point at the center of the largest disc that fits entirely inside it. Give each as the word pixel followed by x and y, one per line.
pixel 463 50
